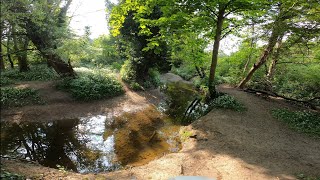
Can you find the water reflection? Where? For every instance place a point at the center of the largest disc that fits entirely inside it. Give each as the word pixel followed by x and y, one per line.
pixel 183 103
pixel 92 144
pixel 104 142
pixel 75 144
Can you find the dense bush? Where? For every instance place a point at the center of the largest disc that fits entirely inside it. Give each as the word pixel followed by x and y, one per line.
pixel 303 121
pixel 11 97
pixel 227 102
pixel 185 71
pixel 92 86
pixel 5 81
pixel 127 72
pixel 36 73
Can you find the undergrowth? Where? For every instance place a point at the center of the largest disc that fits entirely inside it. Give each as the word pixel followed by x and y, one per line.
pixel 36 73
pixel 13 97
pixel 12 176
pixel 302 121
pixel 302 176
pixel 226 101
pixel 91 86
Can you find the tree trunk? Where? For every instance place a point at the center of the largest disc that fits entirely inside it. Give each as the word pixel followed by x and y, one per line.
pixel 275 59
pixel 215 51
pixel 22 60
pixel 46 48
pixel 8 49
pixel 2 67
pixel 23 64
pixel 251 47
pixel 271 43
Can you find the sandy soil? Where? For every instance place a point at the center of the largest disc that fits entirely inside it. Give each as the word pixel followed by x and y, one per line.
pixel 228 144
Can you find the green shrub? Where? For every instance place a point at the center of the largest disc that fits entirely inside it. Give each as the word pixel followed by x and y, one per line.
pixel 92 86
pixel 154 75
pixel 36 73
pixel 8 175
pixel 227 102
pixel 5 81
pixel 185 71
pixel 135 86
pixel 302 121
pixel 127 72
pixel 116 65
pixel 11 97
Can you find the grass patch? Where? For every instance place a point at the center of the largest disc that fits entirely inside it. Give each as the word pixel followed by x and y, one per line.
pixel 302 121
pixel 92 86
pixel 226 101
pixel 36 73
pixel 13 97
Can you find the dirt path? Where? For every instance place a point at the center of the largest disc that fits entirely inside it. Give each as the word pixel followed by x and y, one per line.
pixel 59 105
pixel 229 145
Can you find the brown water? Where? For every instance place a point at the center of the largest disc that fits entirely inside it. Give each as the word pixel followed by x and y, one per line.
pixel 92 144
pixel 105 142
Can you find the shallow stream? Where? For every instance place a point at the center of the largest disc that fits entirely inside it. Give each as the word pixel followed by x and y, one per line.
pixel 105 142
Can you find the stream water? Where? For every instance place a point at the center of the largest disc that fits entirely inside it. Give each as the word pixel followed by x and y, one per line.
pixel 105 142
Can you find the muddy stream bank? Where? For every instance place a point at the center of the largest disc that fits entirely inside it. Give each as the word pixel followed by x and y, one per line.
pixel 107 141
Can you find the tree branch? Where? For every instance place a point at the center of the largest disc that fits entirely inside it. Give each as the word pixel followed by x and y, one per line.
pixel 15 52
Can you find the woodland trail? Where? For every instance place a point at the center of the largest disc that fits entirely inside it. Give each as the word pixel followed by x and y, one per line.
pixel 228 145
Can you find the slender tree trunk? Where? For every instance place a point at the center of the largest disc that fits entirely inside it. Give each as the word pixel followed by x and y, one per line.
pixel 8 49
pixel 22 60
pixel 2 66
pixel 275 59
pixel 23 64
pixel 263 58
pixel 215 51
pixel 251 49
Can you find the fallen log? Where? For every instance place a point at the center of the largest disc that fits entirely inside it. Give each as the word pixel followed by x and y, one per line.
pixel 306 102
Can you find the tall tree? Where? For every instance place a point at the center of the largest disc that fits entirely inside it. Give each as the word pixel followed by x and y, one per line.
pixel 137 37
pixel 44 28
pixel 287 16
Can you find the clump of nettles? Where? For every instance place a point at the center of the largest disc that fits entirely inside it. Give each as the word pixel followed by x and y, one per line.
pixel 302 121
pixel 12 97
pixel 227 102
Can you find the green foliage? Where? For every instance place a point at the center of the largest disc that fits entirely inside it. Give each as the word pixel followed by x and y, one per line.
pixel 10 176
pixel 300 82
pixel 12 97
pixel 154 75
pixel 5 81
pixel 92 86
pixel 305 177
pixel 302 121
pixel 127 72
pixel 84 52
pixel 135 86
pixel 227 102
pixel 185 71
pixel 36 73
pixel 185 135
